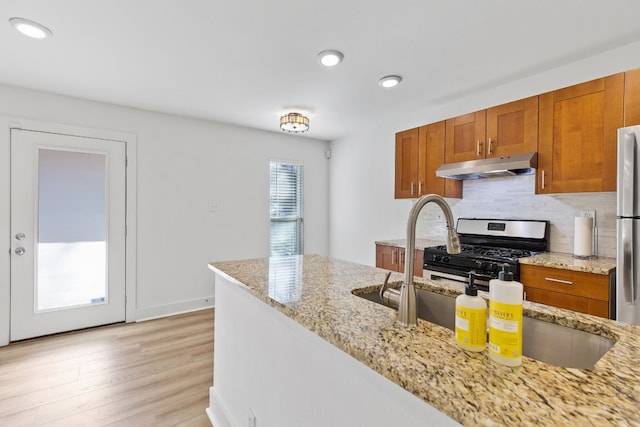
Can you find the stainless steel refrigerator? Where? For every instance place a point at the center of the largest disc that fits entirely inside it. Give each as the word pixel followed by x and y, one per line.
pixel 628 226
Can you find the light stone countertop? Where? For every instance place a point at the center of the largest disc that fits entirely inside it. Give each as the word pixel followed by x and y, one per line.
pixel 318 293
pixel 402 243
pixel 599 265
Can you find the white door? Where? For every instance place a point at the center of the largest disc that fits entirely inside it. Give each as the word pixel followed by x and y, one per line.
pixel 67 232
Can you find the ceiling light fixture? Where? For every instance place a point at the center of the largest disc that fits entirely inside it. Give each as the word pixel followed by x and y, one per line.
pixel 294 122
pixel 389 81
pixel 330 58
pixel 31 28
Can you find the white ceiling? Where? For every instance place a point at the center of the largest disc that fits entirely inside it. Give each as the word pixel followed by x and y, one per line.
pixel 248 62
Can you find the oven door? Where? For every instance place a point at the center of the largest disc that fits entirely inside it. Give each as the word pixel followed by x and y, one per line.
pixel 458 277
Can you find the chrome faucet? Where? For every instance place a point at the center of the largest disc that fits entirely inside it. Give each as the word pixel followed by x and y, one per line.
pixel 405 298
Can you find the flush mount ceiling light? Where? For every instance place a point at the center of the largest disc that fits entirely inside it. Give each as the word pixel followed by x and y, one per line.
pixel 390 81
pixel 30 28
pixel 329 58
pixel 294 122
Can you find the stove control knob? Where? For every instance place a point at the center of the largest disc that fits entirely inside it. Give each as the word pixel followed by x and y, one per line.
pixel 445 259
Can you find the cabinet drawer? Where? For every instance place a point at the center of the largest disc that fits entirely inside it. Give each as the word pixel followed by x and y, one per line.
pixel 588 285
pixel 570 302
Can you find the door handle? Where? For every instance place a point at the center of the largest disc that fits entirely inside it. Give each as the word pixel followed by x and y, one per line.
pixel 20 251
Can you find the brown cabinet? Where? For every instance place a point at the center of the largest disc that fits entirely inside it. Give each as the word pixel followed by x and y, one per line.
pixel 419 153
pixel 577 136
pixel 393 258
pixel 573 290
pixel 408 174
pixel 632 98
pixel 465 136
pixel 498 131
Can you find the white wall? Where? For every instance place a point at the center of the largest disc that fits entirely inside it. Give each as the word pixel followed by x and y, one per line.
pixel 362 207
pixel 184 167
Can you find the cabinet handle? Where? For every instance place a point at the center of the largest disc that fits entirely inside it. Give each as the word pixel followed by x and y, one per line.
pixel 401 258
pixel 543 179
pixel 412 186
pixel 478 148
pixel 419 188
pixel 490 146
pixel 566 282
pixel 394 256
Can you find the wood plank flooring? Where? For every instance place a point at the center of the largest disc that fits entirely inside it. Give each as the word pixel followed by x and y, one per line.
pixel 154 373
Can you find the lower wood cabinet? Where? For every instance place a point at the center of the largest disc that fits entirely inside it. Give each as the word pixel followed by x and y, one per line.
pixel 393 258
pixel 574 290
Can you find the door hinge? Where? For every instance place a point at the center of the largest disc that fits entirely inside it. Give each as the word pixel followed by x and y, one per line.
pixel 126 161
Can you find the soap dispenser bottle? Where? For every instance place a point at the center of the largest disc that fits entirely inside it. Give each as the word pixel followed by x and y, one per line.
pixel 505 319
pixel 471 318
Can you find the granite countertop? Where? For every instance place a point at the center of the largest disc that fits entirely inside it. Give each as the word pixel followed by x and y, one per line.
pixel 597 265
pixel 318 293
pixel 402 243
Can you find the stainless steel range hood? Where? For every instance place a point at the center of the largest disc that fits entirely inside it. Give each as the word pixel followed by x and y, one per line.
pixel 519 164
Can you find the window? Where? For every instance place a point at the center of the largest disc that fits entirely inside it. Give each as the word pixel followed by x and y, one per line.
pixel 285 205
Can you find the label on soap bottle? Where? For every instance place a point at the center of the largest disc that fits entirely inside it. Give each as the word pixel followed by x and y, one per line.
pixel 471 327
pixel 505 329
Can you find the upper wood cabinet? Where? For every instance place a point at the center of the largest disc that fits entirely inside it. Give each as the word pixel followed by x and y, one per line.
pixel 498 131
pixel 577 136
pixel 465 136
pixel 419 153
pixel 407 159
pixel 512 128
pixel 632 98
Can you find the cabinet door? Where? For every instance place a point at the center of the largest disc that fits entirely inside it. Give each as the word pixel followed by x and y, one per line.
pixel 387 257
pixel 577 137
pixel 418 260
pixel 407 149
pixel 512 128
pixel 573 290
pixel 432 156
pixel 632 98
pixel 569 302
pixel 465 137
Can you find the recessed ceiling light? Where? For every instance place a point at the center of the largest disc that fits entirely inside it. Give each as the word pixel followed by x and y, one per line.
pixel 30 28
pixel 390 81
pixel 329 58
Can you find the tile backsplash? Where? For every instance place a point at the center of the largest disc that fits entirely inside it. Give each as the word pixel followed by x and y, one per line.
pixel 515 198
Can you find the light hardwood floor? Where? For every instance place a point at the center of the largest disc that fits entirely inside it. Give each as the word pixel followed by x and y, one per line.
pixel 154 373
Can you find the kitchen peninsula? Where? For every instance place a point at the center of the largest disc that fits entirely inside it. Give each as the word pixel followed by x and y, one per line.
pixel 295 346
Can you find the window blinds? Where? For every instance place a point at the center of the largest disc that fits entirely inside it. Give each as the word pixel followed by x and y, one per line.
pixel 285 205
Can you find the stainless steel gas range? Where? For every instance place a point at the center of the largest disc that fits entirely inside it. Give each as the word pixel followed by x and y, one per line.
pixel 486 244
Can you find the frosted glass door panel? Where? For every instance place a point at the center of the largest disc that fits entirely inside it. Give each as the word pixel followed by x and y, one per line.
pixel 72 229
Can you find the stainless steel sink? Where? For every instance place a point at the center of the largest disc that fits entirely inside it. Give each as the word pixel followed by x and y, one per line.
pixel 544 341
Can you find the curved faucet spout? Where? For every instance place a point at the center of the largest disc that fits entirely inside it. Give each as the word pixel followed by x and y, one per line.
pixel 407 315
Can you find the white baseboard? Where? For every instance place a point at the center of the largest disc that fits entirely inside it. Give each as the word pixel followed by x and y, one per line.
pixel 181 307
pixel 216 412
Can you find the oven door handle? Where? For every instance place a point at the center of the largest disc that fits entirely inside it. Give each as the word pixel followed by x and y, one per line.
pixel 480 278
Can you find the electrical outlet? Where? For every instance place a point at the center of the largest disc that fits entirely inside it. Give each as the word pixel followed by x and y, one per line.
pixel 213 206
pixel 589 214
pixel 252 419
